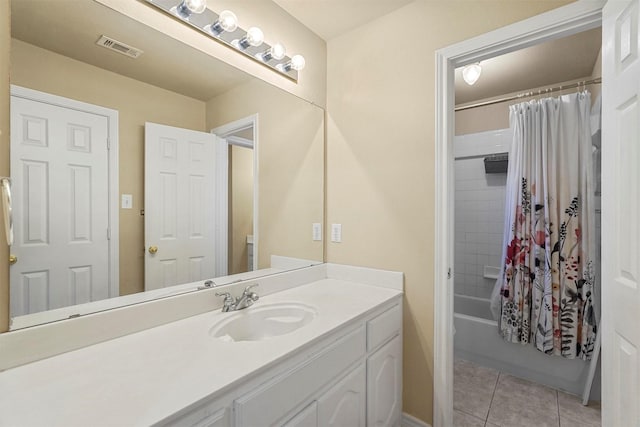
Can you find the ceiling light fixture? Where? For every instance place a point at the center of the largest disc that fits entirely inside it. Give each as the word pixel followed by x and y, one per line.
pixel 471 73
pixel 223 28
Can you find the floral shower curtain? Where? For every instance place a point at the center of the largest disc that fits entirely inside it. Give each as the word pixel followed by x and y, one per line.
pixel 546 288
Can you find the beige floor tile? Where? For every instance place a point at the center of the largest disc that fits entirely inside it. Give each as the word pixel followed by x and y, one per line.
pixel 460 419
pixel 570 407
pixel 509 385
pixel 568 422
pixel 473 388
pixel 521 403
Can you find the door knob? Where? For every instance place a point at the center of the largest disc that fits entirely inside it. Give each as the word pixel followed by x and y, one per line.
pixel 153 250
pixel 13 259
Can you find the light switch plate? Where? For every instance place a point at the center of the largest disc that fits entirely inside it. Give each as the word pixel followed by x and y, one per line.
pixel 317 232
pixel 336 233
pixel 127 201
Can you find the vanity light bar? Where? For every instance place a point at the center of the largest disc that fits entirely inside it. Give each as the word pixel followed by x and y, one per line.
pixel 224 29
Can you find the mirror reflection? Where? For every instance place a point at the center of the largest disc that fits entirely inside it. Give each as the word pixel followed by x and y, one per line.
pixel 146 164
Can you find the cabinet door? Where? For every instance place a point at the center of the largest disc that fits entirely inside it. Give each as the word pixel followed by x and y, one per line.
pixel 384 385
pixel 343 405
pixel 217 419
pixel 308 417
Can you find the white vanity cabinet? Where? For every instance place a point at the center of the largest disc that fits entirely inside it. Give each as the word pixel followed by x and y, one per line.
pixel 384 369
pixel 353 378
pixel 345 403
pixel 308 417
pixel 384 385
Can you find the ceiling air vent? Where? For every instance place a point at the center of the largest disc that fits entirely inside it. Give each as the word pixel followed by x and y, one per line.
pixel 119 47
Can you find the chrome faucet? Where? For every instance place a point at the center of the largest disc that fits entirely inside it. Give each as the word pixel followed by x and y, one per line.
pixel 233 304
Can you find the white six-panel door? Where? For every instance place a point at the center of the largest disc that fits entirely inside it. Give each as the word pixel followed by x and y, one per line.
pixel 179 206
pixel 620 214
pixel 59 168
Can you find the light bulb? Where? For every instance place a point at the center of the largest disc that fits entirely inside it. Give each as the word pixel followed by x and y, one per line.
pixel 297 62
pixel 254 37
pixel 471 73
pixel 278 51
pixel 228 21
pixel 187 7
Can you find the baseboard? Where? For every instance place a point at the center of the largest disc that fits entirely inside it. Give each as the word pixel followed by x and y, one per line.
pixel 411 421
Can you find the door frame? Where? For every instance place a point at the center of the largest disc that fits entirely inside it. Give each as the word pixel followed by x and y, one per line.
pixel 222 186
pixel 113 171
pixel 562 22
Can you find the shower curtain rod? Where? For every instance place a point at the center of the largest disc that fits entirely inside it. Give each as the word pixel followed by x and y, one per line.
pixel 530 93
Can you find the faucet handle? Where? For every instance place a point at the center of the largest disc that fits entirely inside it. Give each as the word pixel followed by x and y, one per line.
pixel 248 288
pixel 226 295
pixel 229 303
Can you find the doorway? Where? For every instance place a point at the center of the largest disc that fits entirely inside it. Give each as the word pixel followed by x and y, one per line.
pixel 562 22
pixel 237 196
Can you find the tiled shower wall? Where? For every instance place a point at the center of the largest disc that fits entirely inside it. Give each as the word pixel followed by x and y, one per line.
pixel 479 212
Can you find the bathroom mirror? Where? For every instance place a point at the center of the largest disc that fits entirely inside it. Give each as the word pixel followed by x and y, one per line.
pixel 146 76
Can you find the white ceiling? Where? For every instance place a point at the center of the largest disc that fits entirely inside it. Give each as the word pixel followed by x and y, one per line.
pixel 549 63
pixel 546 64
pixel 331 18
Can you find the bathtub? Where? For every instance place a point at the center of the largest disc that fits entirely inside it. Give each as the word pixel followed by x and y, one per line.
pixel 476 339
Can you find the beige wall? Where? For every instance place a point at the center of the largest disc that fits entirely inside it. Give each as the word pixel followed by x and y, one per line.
pixel 380 154
pixel 273 20
pixel 136 103
pixel 290 150
pixel 5 43
pixel 241 202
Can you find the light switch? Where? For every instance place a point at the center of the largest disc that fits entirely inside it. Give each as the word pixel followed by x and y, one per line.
pixel 127 201
pixel 336 233
pixel 317 232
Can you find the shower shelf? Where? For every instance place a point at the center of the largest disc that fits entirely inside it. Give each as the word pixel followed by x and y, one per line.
pixel 491 272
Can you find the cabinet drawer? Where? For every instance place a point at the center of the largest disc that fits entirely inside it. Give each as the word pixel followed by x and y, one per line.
pixel 266 405
pixel 384 326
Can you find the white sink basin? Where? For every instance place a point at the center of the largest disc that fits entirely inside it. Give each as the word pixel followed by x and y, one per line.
pixel 263 321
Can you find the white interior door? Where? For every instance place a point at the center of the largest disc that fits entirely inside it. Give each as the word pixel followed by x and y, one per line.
pixel 620 213
pixel 179 206
pixel 60 167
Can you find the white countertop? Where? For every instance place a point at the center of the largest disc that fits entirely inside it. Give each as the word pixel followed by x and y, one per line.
pixel 144 377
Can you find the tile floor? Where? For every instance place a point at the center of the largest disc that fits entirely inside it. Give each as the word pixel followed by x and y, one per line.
pixel 484 397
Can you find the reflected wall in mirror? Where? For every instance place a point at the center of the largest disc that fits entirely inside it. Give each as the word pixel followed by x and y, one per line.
pixel 54 52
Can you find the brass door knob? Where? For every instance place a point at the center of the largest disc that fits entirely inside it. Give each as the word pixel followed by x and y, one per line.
pixel 13 259
pixel 153 250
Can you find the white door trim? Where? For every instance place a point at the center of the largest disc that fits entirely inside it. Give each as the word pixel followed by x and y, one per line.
pixel 222 186
pixel 567 20
pixel 112 125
